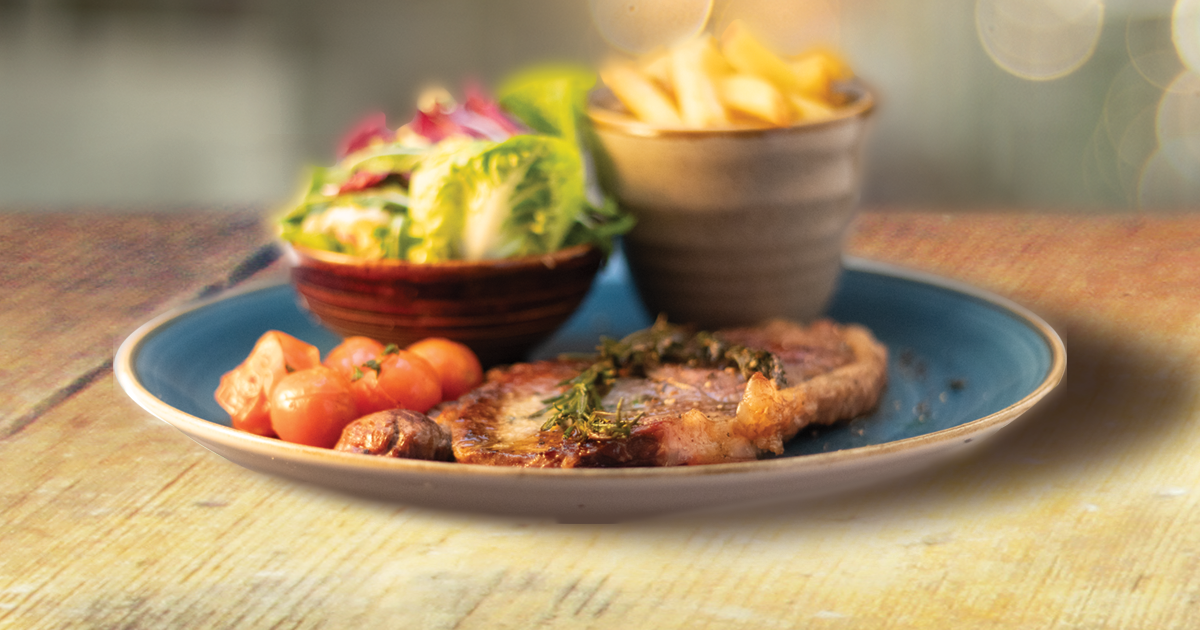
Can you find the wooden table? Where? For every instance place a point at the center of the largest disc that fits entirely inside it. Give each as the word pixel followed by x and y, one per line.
pixel 1084 514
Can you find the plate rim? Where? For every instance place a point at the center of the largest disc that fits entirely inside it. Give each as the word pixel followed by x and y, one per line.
pixel 195 427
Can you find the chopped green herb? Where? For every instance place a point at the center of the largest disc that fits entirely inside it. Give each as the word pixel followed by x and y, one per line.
pixel 579 412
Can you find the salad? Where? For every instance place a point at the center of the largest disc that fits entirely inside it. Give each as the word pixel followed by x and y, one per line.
pixel 473 180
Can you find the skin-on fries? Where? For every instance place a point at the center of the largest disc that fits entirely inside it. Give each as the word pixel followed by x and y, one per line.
pixel 641 95
pixel 695 85
pixel 706 83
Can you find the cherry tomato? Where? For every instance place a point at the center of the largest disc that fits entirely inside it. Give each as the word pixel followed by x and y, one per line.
pixel 457 366
pixel 245 391
pixel 352 353
pixel 312 407
pixel 368 396
pixel 409 380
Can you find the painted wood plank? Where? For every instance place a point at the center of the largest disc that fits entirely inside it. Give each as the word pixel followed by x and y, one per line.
pixel 75 284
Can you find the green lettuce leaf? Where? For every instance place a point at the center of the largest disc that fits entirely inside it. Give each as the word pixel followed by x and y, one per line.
pixel 436 195
pixel 552 100
pixel 486 200
pixel 371 223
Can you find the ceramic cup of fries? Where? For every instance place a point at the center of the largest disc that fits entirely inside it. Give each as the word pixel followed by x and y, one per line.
pixel 743 169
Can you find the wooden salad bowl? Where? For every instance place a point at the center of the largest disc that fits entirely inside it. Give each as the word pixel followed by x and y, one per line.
pixel 501 309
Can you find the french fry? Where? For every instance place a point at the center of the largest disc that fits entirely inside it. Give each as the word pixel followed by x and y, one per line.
pixel 734 81
pixel 812 77
pixel 755 97
pixel 808 108
pixel 657 67
pixel 747 54
pixel 817 69
pixel 836 66
pixel 647 102
pixel 695 90
pixel 712 61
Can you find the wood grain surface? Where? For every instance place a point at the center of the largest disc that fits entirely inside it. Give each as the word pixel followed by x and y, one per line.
pixel 1083 514
pixel 75 284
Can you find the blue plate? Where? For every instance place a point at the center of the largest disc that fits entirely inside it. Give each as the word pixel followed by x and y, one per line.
pixel 962 364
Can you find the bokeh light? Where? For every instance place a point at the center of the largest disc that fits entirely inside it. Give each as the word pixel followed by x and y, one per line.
pixel 1177 125
pixel 1163 186
pixel 1128 117
pixel 1146 149
pixel 1148 40
pixel 1157 112
pixel 1185 32
pixel 1039 39
pixel 1125 137
pixel 639 26
pixel 787 26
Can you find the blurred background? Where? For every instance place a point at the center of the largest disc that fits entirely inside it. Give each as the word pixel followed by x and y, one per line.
pixel 1064 105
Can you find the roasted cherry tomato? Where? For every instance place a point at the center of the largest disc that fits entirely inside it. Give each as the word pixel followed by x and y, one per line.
pixel 312 407
pixel 457 366
pixel 352 353
pixel 367 394
pixel 245 391
pixel 409 380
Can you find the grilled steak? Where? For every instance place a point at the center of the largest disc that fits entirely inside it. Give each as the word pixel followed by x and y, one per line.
pixel 684 414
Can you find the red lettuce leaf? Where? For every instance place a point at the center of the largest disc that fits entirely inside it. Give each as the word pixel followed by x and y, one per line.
pixel 373 126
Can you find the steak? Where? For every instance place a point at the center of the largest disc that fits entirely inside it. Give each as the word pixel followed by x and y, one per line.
pixel 683 413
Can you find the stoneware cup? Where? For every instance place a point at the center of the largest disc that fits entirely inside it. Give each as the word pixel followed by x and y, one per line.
pixel 735 226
